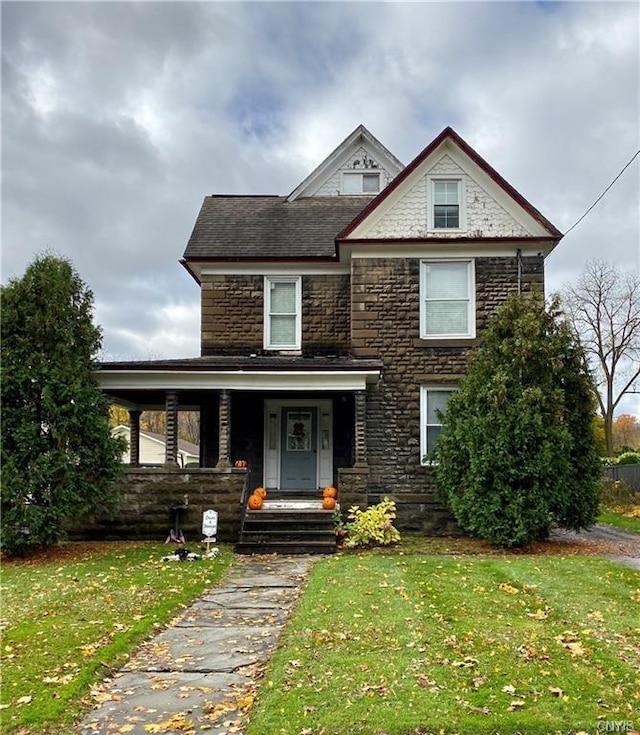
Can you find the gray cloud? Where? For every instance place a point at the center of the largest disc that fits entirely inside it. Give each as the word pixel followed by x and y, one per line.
pixel 117 118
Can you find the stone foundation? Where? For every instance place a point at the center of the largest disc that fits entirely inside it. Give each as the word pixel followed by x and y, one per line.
pixel 420 512
pixel 352 487
pixel 148 495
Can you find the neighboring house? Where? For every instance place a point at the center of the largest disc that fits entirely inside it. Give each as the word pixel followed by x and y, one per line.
pixel 153 448
pixel 338 319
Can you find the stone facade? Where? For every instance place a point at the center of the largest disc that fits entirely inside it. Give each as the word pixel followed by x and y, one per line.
pixel 232 311
pixel 232 314
pixel 147 496
pixel 374 313
pixel 386 324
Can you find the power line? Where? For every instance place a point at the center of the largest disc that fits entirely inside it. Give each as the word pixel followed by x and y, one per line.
pixel 575 224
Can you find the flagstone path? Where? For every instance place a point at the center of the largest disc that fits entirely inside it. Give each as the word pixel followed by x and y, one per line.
pixel 201 673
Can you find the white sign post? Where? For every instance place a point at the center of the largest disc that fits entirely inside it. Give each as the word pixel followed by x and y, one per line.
pixel 210 529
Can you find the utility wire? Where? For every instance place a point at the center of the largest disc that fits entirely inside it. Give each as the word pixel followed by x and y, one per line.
pixel 575 224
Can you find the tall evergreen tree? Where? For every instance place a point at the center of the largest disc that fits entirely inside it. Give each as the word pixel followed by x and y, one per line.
pixel 58 456
pixel 517 451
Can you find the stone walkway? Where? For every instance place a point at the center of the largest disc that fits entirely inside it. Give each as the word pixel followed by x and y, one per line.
pixel 201 673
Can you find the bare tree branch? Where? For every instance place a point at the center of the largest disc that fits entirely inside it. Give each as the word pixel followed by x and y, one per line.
pixel 604 308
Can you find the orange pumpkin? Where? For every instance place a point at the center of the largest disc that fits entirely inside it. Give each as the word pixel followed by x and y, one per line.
pixel 261 492
pixel 255 502
pixel 330 492
pixel 328 503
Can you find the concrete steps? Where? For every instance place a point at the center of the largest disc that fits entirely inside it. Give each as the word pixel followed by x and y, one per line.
pixel 288 526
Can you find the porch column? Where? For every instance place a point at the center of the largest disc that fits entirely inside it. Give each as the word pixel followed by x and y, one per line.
pixel 134 438
pixel 361 428
pixel 224 429
pixel 171 438
pixel 209 430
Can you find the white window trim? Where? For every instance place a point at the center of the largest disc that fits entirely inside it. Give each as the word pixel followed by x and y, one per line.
pixel 361 174
pixel 268 280
pixel 424 391
pixel 462 199
pixel 471 313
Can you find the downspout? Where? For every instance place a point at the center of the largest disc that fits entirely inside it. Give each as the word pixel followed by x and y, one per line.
pixel 519 261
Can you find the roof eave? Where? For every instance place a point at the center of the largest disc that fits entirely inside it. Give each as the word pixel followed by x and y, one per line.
pixel 184 262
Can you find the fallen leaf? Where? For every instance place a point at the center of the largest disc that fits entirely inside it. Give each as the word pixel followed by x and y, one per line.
pixel 540 614
pixel 509 689
pixel 245 703
pixel 506 587
pixel 515 704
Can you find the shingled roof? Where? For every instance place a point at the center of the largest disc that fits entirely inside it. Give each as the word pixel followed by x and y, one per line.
pixel 270 227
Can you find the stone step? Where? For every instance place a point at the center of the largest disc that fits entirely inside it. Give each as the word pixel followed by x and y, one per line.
pixel 292 526
pixel 293 521
pixel 281 529
pixel 300 546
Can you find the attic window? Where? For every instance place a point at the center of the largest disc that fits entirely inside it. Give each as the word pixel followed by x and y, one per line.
pixel 358 182
pixel 446 211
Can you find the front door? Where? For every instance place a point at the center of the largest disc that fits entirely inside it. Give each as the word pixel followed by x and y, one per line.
pixel 299 456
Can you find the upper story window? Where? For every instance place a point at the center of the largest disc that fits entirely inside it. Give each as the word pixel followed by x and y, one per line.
pixel 447 299
pixel 360 182
pixel 433 403
pixel 282 312
pixel 446 211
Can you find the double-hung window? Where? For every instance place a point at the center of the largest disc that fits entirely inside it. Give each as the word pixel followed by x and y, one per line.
pixel 446 210
pixel 447 299
pixel 282 312
pixel 433 403
pixel 359 182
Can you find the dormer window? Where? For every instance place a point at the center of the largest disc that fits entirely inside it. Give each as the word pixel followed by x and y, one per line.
pixel 360 182
pixel 446 211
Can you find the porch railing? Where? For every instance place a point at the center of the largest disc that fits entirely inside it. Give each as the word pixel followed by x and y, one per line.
pixel 244 499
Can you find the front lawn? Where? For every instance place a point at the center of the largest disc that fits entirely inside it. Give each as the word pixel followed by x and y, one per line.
pixel 73 615
pixel 402 643
pixel 625 518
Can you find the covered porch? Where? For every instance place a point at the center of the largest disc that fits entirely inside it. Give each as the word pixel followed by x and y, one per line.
pixel 298 424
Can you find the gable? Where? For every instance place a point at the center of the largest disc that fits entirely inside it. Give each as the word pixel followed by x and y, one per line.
pixel 491 207
pixel 359 153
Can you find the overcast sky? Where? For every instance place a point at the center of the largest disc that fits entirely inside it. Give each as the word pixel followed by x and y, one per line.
pixel 118 118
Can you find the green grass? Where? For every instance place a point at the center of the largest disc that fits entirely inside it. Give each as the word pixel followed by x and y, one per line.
pixel 72 617
pixel 620 520
pixel 411 643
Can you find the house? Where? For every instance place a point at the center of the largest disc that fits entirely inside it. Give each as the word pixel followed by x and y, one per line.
pixel 152 448
pixel 336 320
